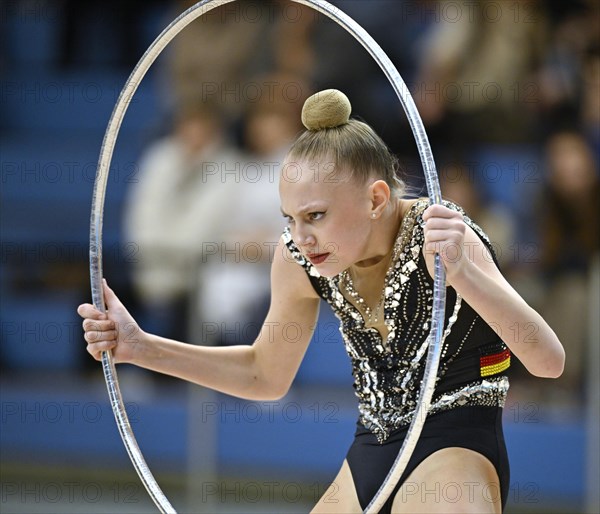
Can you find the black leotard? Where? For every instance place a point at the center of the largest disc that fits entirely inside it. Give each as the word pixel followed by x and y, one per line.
pixel 471 387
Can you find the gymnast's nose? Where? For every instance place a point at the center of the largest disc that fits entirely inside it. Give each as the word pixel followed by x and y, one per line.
pixel 303 237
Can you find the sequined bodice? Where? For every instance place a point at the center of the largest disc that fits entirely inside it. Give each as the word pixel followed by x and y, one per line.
pixel 388 373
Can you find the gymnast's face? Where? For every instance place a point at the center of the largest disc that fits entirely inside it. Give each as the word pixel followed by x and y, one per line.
pixel 328 214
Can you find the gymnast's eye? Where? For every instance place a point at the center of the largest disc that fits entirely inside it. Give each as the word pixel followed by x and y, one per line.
pixel 316 216
pixel 288 218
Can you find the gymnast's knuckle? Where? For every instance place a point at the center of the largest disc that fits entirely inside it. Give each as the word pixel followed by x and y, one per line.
pixel 95 335
pixel 89 324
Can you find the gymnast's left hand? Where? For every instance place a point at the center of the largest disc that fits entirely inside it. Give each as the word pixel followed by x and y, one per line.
pixel 444 234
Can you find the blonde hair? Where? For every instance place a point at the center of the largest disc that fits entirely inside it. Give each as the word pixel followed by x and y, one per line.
pixel 348 143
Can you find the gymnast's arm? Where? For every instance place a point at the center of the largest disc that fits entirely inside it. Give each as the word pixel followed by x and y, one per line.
pixel 472 272
pixel 263 371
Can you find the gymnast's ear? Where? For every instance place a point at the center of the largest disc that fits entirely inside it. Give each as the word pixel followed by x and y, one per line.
pixel 380 194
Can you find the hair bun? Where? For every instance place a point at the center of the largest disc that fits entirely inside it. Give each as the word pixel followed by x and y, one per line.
pixel 326 109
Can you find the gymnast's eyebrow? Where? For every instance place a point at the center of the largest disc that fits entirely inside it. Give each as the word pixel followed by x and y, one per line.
pixel 311 207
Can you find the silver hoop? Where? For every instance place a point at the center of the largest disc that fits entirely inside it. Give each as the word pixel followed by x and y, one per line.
pixel 433 189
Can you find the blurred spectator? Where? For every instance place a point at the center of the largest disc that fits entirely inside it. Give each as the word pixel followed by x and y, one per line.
pixel 213 54
pixel 218 59
pixel 477 69
pixel 173 210
pixel 570 217
pixel 292 39
pixel 235 279
pixel 216 54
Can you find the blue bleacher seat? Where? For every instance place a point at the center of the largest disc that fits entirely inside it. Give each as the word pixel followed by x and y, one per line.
pixel 40 331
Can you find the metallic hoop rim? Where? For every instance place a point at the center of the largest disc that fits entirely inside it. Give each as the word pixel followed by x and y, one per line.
pixel 96 218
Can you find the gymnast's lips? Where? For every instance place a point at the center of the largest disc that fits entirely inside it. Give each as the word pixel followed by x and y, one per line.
pixel 318 258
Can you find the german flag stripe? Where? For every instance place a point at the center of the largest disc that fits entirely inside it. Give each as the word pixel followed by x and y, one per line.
pixel 495 358
pixel 497 367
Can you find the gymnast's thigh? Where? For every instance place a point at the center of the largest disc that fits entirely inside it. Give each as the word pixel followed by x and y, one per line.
pixel 340 496
pixel 451 480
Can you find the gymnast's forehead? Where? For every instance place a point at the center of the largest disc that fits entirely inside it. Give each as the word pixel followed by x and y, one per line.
pixel 323 171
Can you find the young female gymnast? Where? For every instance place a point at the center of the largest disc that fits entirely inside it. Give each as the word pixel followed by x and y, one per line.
pixel 354 241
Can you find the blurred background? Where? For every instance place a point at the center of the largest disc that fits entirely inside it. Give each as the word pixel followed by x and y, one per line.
pixel 509 93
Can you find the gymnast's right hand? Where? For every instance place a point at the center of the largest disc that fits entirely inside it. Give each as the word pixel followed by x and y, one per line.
pixel 116 330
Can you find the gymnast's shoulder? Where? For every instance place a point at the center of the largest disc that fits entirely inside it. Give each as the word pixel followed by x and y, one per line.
pixel 287 276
